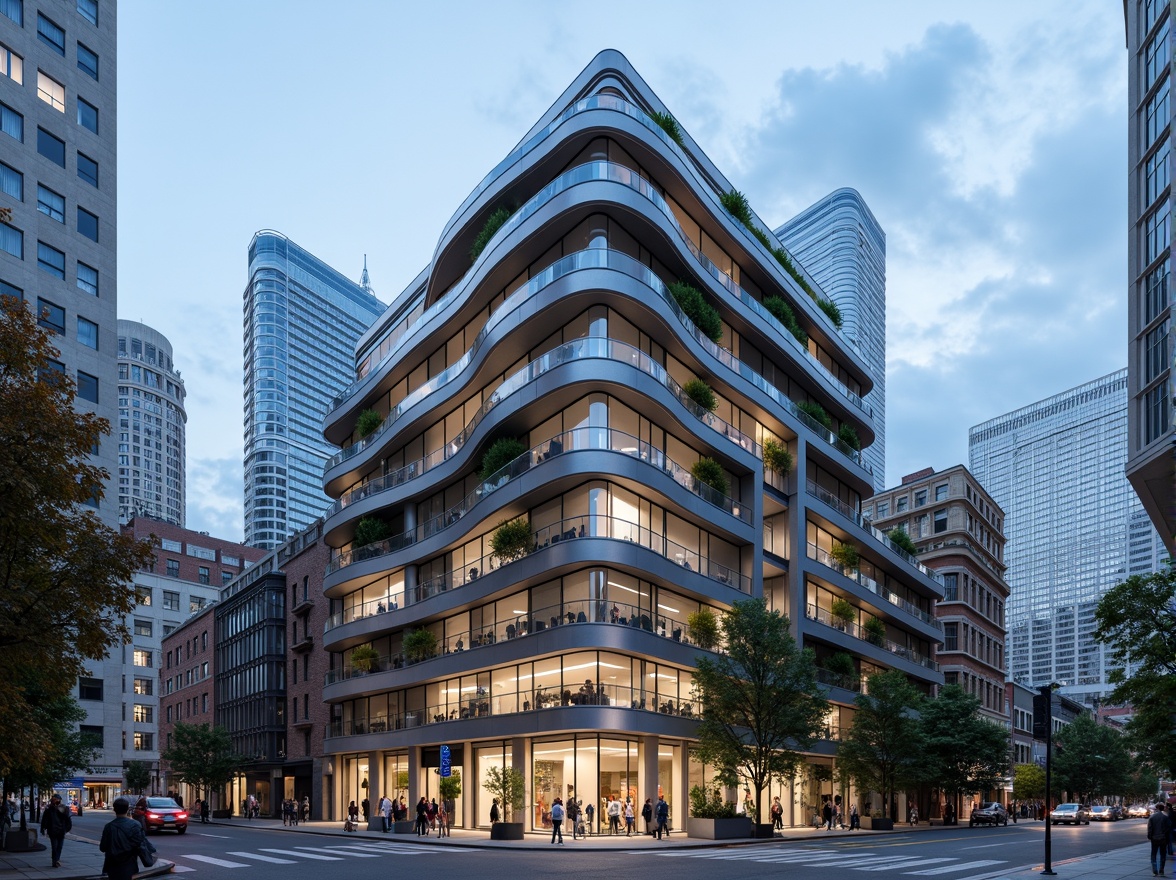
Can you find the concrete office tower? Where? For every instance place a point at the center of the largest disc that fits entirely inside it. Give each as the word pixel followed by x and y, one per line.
pixel 958 530
pixel 302 321
pixel 521 540
pixel 58 122
pixel 1056 469
pixel 152 425
pixel 841 245
pixel 1151 429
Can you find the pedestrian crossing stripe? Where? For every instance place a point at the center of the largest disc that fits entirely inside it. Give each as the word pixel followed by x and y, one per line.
pixel 328 853
pixel 858 860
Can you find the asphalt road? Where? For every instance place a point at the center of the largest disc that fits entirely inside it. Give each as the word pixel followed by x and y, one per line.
pixel 961 853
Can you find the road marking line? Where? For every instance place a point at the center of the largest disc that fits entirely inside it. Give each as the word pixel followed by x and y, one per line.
pixel 930 872
pixel 915 861
pixel 221 836
pixel 1006 872
pixel 220 863
pixel 302 855
pixel 181 869
pixel 985 846
pixel 260 858
pixel 340 850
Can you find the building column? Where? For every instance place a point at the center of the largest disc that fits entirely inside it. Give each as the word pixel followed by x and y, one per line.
pixel 520 759
pixel 680 799
pixel 647 779
pixel 469 787
pixel 375 821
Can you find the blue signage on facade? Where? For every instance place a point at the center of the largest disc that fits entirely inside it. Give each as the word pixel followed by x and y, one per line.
pixel 446 770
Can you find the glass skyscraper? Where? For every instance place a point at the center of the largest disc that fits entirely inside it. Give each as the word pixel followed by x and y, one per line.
pixel 1073 525
pixel 302 322
pixel 841 245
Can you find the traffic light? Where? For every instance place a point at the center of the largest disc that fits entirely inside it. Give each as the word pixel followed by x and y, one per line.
pixel 1042 703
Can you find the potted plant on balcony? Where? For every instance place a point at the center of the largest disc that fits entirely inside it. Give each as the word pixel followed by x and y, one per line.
pixel 508 786
pixel 369 420
pixel 782 312
pixel 493 223
pixel 900 539
pixel 846 555
pixel 831 309
pixel 363 658
pixel 777 457
pixel 875 631
pixel 843 613
pixel 419 644
pixel 817 413
pixel 369 530
pixel 511 539
pixel 702 395
pixel 712 818
pixel 847 435
pixel 703 315
pixel 502 452
pixel 669 125
pixel 704 628
pixel 842 668
pixel 709 472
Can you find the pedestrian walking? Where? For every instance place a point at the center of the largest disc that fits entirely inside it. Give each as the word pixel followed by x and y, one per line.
pixel 122 840
pixel 1159 828
pixel 306 808
pixel 914 815
pixel 855 820
pixel 557 817
pixel 442 819
pixel 574 818
pixel 662 812
pixel 56 822
pixel 494 814
pixel 628 817
pixel 422 817
pixel 613 811
pixel 777 814
pixel 827 815
pixel 385 808
pixel 431 812
pixel 647 815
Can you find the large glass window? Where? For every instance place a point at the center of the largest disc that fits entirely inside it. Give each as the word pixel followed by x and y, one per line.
pixel 1156 290
pixel 87 115
pixel 87 61
pixel 51 204
pixel 87 279
pixel 88 333
pixel 51 147
pixel 13 9
pixel 11 65
pixel 1158 171
pixel 1156 351
pixel 51 260
pixel 1156 408
pixel 11 123
pixel 88 9
pixel 50 91
pixel 1156 55
pixel 12 241
pixel 1157 232
pixel 11 182
pixel 51 34
pixel 51 316
pixel 87 387
pixel 88 224
pixel 87 169
pixel 1158 112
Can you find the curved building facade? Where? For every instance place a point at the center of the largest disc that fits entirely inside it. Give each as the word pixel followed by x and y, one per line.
pixel 839 242
pixel 521 539
pixel 152 444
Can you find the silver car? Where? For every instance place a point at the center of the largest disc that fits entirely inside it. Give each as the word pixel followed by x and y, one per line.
pixel 1069 814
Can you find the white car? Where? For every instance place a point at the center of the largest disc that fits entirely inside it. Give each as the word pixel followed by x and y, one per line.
pixel 1069 814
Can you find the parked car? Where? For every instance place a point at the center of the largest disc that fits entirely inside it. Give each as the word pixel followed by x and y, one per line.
pixel 163 812
pixel 1118 811
pixel 1139 811
pixel 989 814
pixel 1070 814
pixel 1102 813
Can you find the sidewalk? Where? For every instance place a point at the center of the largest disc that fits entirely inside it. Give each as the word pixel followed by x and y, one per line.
pixel 81 858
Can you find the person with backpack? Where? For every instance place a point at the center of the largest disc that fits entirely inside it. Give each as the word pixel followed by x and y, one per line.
pixel 777 815
pixel 122 841
pixel 56 822
pixel 662 811
pixel 557 817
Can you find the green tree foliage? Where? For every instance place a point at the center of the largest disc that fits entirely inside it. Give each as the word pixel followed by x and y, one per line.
pixel 367 422
pixel 511 539
pixel 137 774
pixel 449 787
pixel 848 435
pixel 202 756
pixel 370 530
pixel 699 392
pixel 493 223
pixel 899 538
pixel 1137 623
pixel 669 125
pixel 1090 759
pixel 777 457
pixel 817 413
pixel 964 753
pixel 502 452
pixel 710 473
pixel 704 316
pixel 1028 782
pixel 783 313
pixel 883 751
pixel 64 575
pixel 760 701
pixel 506 784
pixel 831 309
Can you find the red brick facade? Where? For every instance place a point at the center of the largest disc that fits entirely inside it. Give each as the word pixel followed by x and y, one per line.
pixel 193 556
pixel 186 691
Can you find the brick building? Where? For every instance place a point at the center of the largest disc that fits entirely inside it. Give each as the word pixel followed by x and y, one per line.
pixel 186 690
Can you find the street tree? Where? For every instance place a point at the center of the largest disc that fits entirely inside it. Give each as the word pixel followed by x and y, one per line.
pixel 1090 759
pixel 883 750
pixel 64 575
pixel 1137 624
pixel 965 753
pixel 760 701
pixel 202 756
pixel 1028 782
pixel 509 786
pixel 137 774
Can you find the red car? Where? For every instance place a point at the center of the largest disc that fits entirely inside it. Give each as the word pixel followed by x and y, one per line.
pixel 163 812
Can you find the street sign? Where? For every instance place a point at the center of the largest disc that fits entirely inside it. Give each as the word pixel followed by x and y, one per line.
pixel 446 768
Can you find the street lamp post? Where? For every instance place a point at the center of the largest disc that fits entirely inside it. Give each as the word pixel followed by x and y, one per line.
pixel 1043 729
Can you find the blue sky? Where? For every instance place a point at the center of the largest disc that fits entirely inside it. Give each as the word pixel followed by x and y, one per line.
pixel 989 139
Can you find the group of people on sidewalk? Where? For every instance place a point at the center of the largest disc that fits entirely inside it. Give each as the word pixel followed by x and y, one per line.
pixel 581 818
pixel 123 843
pixel 1161 835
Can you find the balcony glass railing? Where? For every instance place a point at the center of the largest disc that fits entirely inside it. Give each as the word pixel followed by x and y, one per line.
pixel 567 613
pixel 590 526
pixel 612 172
pixel 878 535
pixel 579 439
pixel 484 705
pixel 812 612
pixel 882 592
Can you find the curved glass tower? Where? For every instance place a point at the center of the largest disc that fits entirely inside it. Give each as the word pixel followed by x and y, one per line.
pixel 151 455
pixel 841 245
pixel 518 542
pixel 302 321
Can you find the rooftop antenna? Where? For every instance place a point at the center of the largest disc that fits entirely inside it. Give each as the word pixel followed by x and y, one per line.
pixel 365 280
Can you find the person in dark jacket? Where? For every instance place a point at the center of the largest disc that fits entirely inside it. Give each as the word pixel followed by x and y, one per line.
pixel 422 818
pixel 1158 831
pixel 56 822
pixel 122 839
pixel 662 812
